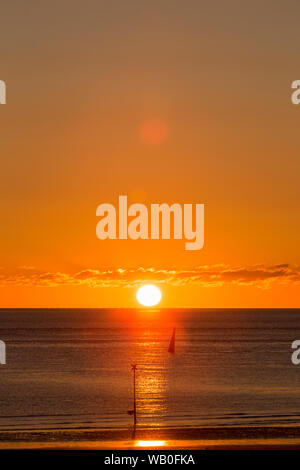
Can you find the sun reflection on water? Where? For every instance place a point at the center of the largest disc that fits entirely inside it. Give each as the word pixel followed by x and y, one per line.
pixel 152 382
pixel 150 443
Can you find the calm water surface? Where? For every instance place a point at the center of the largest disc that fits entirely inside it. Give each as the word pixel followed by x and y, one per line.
pixel 71 368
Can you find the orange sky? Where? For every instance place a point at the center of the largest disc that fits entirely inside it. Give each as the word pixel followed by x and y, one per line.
pixel 83 85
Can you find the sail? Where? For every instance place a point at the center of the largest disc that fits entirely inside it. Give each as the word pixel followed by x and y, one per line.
pixel 172 343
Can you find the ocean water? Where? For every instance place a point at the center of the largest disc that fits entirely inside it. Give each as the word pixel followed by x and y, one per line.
pixel 72 368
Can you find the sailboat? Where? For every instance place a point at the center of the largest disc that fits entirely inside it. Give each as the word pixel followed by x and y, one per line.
pixel 172 343
pixel 133 412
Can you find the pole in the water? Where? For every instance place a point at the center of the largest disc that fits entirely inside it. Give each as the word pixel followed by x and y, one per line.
pixel 133 412
pixel 134 399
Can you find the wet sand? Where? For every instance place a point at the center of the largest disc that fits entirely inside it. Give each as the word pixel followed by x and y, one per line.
pixel 252 437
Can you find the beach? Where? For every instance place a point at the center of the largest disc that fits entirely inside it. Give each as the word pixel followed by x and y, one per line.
pixel 155 439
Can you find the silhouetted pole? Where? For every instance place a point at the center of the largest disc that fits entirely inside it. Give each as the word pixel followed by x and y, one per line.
pixel 134 398
pixel 133 412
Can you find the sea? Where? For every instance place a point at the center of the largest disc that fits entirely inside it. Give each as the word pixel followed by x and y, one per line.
pixel 72 368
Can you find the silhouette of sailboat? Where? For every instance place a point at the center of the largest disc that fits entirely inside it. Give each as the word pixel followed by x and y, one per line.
pixel 172 343
pixel 133 412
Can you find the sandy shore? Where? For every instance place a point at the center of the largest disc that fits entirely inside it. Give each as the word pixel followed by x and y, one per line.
pixel 156 438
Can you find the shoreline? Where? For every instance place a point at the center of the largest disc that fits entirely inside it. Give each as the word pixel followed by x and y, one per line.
pixel 237 437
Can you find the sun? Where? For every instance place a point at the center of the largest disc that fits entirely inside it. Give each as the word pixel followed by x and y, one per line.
pixel 148 295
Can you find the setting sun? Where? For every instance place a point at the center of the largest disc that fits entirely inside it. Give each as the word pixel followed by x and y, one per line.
pixel 148 295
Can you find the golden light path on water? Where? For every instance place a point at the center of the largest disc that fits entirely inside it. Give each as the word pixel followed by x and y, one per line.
pixel 150 443
pixel 152 380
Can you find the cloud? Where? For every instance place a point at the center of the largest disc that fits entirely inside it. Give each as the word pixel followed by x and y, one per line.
pixel 26 267
pixel 260 276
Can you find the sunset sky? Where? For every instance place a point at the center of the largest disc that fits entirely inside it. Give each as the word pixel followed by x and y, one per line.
pixel 167 101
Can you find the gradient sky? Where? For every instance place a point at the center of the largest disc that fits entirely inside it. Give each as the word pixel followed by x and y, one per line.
pixel 83 79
